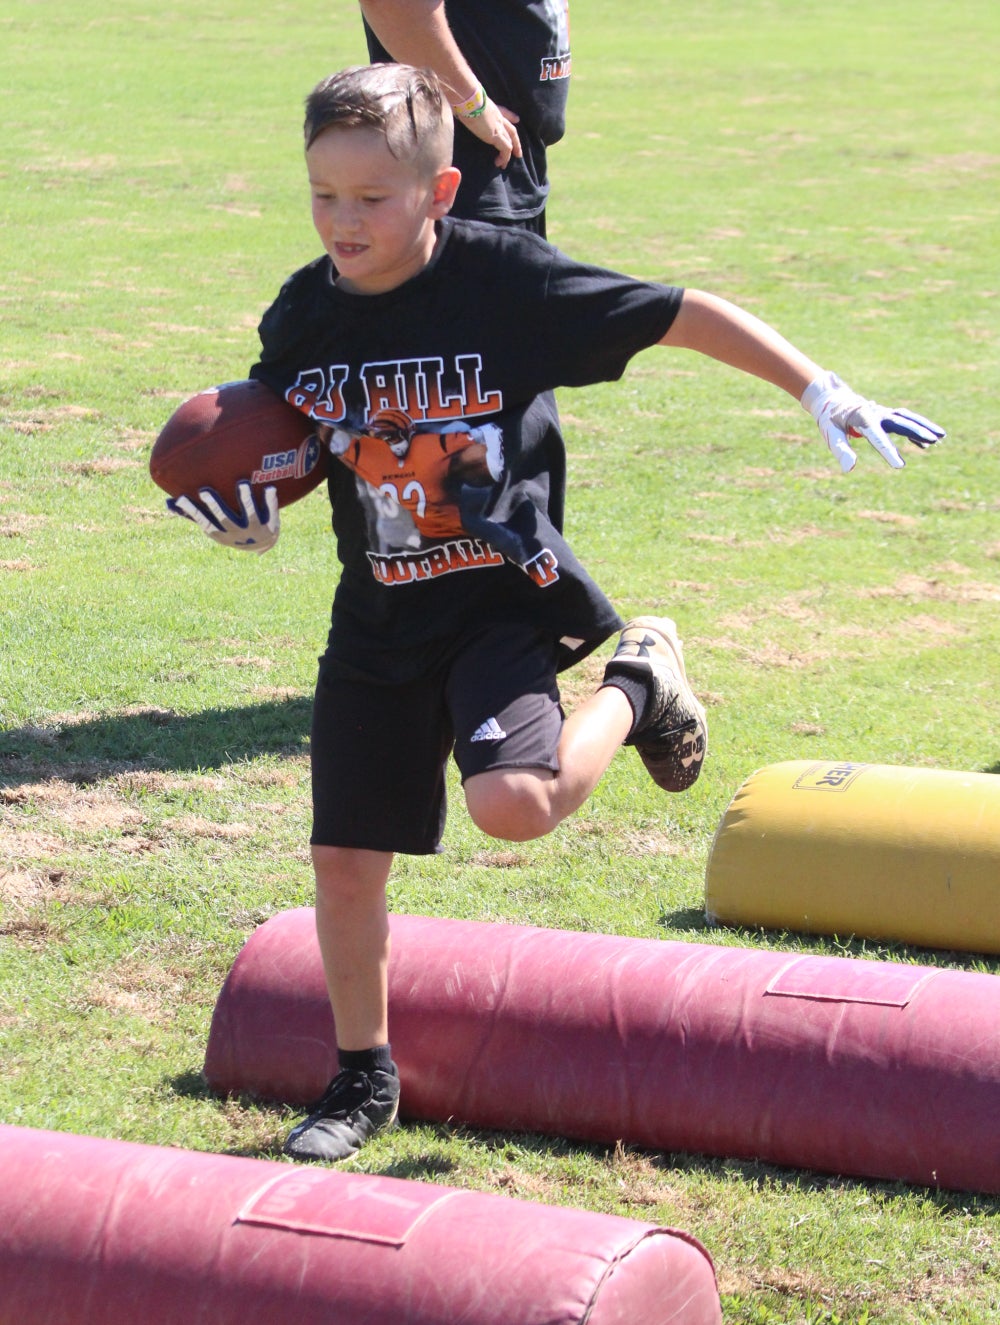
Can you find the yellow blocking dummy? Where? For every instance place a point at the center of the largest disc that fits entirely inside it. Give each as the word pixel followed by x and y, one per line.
pixel 910 854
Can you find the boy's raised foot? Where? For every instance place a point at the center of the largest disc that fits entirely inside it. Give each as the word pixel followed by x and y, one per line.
pixel 354 1106
pixel 672 734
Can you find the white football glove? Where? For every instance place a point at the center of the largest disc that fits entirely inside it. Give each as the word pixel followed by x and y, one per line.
pixel 252 531
pixel 842 413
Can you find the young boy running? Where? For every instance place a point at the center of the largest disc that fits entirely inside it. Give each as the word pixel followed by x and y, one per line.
pixel 427 349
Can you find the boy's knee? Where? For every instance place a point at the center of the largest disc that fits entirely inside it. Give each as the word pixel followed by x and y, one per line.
pixel 512 804
pixel 347 872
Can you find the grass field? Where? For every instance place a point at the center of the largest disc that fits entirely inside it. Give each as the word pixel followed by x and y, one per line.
pixel 835 171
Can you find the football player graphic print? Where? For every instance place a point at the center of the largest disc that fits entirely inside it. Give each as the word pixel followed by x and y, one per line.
pixel 411 481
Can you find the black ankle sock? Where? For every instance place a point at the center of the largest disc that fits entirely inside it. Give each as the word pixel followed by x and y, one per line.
pixel 378 1059
pixel 636 691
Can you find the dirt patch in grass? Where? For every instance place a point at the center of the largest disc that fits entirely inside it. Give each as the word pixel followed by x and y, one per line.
pixel 581 682
pixel 18 525
pixel 291 773
pixel 23 888
pixel 771 653
pixel 246 660
pixel 793 607
pixel 93 809
pixel 28 843
pixel 807 729
pixel 798 1285
pixel 141 988
pixel 923 624
pixel 499 860
pixel 193 825
pixel 27 894
pixel 90 809
pixel 651 842
pixel 889 517
pixel 100 467
pixel 937 590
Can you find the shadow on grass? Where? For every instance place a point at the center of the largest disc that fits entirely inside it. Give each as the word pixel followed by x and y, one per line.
pixel 191 1086
pixel 434 1157
pixel 686 918
pixel 754 1173
pixel 514 1146
pixel 154 740
pixel 856 946
pixel 693 918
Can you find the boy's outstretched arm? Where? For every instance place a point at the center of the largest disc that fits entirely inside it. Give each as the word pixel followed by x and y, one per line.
pixel 713 326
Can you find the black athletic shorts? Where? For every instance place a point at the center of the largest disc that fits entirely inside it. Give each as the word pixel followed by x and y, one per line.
pixel 379 751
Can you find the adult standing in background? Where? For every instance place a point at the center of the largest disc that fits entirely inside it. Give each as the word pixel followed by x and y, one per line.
pixel 505 65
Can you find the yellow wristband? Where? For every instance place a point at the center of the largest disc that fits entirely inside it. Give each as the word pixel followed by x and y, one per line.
pixel 476 104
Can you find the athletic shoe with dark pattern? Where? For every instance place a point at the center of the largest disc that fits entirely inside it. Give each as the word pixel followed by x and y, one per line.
pixel 354 1106
pixel 673 736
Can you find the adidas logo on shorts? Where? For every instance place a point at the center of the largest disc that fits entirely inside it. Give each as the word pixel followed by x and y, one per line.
pixel 490 730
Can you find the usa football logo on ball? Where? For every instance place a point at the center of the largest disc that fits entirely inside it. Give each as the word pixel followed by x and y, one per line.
pixel 239 431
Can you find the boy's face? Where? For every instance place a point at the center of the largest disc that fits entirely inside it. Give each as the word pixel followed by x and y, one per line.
pixel 374 213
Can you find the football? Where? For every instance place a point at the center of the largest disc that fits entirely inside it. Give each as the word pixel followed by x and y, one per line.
pixel 239 430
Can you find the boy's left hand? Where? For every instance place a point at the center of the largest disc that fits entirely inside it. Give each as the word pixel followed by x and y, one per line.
pixel 842 413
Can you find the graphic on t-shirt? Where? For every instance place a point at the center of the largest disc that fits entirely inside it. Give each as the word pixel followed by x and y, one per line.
pixel 428 390
pixel 415 478
pixel 558 64
pixel 426 496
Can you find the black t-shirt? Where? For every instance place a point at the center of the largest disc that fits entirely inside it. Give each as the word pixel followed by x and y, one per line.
pixel 520 51
pixel 436 400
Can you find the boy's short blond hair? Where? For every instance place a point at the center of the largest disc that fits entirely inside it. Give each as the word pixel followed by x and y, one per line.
pixel 406 105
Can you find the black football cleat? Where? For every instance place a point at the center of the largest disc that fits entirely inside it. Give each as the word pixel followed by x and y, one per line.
pixel 354 1106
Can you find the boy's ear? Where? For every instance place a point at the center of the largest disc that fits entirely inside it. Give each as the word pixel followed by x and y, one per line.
pixel 446 184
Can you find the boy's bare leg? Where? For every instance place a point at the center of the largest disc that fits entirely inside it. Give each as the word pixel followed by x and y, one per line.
pixel 519 804
pixel 352 926
pixel 645 701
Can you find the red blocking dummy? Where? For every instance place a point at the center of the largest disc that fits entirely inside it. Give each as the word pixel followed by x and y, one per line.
pixel 875 1069
pixel 96 1232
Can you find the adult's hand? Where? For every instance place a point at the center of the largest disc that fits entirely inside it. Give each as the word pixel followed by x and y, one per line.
pixel 495 126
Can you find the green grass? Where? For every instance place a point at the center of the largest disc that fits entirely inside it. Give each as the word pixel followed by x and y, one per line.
pixel 835 171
